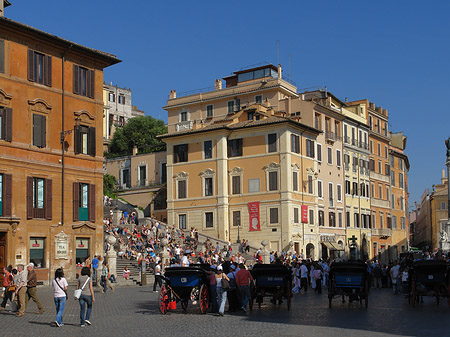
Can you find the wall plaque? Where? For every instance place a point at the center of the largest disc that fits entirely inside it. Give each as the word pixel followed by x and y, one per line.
pixel 62 246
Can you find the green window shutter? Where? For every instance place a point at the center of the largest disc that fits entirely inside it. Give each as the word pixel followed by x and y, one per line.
pixel 77 139
pixel 7 128
pixel 76 201
pixel 91 203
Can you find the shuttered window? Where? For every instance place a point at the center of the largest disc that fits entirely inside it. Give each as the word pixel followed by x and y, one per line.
pixel 236 218
pixel 273 181
pixel 39 198
pixel 295 215
pixel 180 153
pixel 272 142
pixel 295 144
pixel 295 181
pixel 5 194
pixel 235 148
pixel 273 213
pixel 39 130
pixel 2 56
pixel 310 148
pixel 321 218
pixel 208 187
pixel 181 189
pixel 83 202
pixel 85 140
pixel 236 185
pixel 39 68
pixel 209 219
pixel 83 81
pixel 6 124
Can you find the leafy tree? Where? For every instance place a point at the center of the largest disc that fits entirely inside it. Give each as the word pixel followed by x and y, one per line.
pixel 109 182
pixel 140 132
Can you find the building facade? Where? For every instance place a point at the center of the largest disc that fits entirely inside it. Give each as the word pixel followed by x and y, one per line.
pixel 356 180
pixel 140 179
pixel 51 160
pixel 117 110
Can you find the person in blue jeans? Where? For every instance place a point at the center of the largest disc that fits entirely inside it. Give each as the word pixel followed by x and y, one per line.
pixel 60 285
pixel 221 292
pixel 94 268
pixel 87 296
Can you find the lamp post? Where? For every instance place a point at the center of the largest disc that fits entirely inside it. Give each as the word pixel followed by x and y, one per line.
pixel 239 225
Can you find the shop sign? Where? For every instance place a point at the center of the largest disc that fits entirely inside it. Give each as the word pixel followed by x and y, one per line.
pixel 61 246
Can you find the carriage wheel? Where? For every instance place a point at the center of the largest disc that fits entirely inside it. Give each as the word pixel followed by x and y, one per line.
pixel 413 293
pixel 163 300
pixel 289 297
pixel 184 304
pixel 204 299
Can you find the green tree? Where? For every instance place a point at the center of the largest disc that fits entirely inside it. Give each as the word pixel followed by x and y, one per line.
pixel 109 182
pixel 140 132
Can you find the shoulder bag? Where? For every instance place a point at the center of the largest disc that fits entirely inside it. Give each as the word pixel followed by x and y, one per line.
pixel 225 284
pixel 65 292
pixel 77 292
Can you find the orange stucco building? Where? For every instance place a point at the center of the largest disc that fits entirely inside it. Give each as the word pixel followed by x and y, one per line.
pixel 50 149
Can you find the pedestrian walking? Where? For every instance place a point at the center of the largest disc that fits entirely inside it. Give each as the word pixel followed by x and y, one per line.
pixel 157 276
pixel 60 285
pixel 243 279
pixel 87 296
pixel 31 288
pixel 304 277
pixel 213 289
pixel 8 285
pixel 94 269
pixel 104 282
pixel 21 289
pixel 222 289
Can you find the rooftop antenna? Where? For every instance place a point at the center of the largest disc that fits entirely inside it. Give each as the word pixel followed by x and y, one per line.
pixel 278 52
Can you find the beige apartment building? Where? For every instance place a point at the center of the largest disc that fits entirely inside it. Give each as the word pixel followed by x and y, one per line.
pixel 240 164
pixel 399 167
pixel 356 180
pixel 322 110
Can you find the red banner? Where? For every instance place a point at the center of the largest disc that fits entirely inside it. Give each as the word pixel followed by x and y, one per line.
pixel 253 211
pixel 304 214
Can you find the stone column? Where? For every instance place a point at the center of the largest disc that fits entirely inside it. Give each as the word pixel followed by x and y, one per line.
pixel 111 256
pixel 117 214
pixel 265 254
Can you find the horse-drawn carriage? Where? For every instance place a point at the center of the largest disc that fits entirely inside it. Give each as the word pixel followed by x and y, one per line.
pixel 271 280
pixel 185 284
pixel 350 279
pixel 429 278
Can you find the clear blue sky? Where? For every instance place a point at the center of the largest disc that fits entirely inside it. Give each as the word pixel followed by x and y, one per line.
pixel 395 53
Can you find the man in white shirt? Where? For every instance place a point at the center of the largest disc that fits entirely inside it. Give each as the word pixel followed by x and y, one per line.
pixel 303 277
pixel 185 259
pixel 157 276
pixel 395 273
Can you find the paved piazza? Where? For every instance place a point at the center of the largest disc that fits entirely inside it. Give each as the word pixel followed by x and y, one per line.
pixel 133 311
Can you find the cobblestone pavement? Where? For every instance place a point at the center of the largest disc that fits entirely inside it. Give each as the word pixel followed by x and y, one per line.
pixel 133 311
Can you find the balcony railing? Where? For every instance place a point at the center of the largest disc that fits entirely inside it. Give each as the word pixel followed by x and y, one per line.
pixel 382 231
pixel 331 136
pixel 186 125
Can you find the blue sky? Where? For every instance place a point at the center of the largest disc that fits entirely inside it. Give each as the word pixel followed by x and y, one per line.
pixel 395 53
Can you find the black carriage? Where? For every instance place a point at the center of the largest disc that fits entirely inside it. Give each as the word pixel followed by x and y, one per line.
pixel 429 278
pixel 273 281
pixel 350 279
pixel 185 284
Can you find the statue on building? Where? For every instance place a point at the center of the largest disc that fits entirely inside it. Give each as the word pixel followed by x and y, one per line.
pixel 444 236
pixel 447 143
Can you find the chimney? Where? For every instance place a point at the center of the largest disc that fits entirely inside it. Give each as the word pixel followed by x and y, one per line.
pixel 372 105
pixel 218 84
pixel 385 112
pixel 135 150
pixel 279 70
pixel 172 94
pixel 380 109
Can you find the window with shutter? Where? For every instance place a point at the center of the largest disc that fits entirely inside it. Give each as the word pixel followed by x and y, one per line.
pixel 209 219
pixel 91 200
pixel 272 142
pixel 76 201
pixel 83 81
pixel 180 153
pixel 236 218
pixel 39 68
pixel 236 185
pixel 83 202
pixel 273 181
pixel 295 181
pixel 273 215
pixel 181 189
pixel 235 148
pixel 319 152
pixel 6 124
pixel 2 56
pixel 91 142
pixel 295 215
pixel 309 148
pixel 321 218
pixel 39 130
pixel 2 192
pixel 295 144
pixel 48 199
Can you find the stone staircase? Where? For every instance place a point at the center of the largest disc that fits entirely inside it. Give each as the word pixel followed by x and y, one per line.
pixel 135 276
